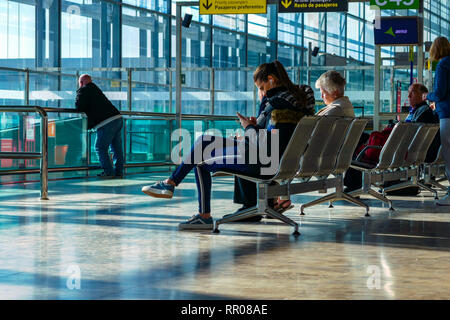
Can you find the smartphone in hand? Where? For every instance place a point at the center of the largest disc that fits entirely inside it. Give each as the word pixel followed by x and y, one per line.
pixel 241 116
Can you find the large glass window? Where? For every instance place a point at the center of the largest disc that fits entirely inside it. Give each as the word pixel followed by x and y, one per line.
pixel 76 34
pixel 89 34
pixel 228 49
pixel 144 39
pixel 257 25
pixel 232 22
pixel 219 54
pixel 17 34
pixel 290 28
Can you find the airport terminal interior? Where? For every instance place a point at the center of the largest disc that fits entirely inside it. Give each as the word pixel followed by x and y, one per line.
pixel 67 232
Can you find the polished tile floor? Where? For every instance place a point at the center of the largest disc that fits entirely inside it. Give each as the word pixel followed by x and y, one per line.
pixel 104 239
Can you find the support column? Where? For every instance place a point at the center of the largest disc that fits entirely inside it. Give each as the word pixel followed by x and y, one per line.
pixel 178 67
pixel 420 63
pixel 40 34
pixel 55 34
pixel 377 86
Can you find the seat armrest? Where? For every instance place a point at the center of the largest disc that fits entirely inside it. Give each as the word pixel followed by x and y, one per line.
pixel 361 154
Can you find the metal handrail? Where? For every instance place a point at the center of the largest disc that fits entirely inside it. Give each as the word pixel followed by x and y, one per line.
pixel 152 114
pixel 43 155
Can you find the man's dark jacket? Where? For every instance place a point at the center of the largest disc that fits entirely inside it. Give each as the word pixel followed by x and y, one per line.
pixel 91 100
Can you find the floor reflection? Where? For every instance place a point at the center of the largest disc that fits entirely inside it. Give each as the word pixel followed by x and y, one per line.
pixel 126 245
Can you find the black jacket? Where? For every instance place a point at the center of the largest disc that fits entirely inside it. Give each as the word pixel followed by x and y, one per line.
pixel 423 113
pixel 91 100
pixel 283 112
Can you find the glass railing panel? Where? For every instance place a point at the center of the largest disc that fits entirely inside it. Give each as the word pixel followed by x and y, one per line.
pixel 148 140
pixel 19 133
pixel 67 140
pixel 22 133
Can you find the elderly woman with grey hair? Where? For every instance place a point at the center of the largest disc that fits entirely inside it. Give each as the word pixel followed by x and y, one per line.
pixel 332 87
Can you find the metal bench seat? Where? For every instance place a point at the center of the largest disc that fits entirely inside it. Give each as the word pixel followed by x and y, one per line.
pixel 316 157
pixel 400 159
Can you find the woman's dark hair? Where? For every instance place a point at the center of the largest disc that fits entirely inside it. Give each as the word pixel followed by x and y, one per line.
pixel 277 70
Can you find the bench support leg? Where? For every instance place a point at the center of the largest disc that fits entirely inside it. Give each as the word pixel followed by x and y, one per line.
pixel 276 215
pixel 382 198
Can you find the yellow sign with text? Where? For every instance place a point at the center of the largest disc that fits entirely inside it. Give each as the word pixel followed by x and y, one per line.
pixel 232 6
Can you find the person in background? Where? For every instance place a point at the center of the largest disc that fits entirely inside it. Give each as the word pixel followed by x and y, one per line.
pixel 440 51
pixel 420 111
pixel 332 87
pixel 106 120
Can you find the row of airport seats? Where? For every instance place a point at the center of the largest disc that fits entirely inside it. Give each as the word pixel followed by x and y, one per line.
pixel 321 150
pixel 434 173
pixel 316 158
pixel 402 158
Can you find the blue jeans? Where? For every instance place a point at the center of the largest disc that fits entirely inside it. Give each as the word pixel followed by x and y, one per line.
pixel 110 135
pixel 203 171
pixel 445 142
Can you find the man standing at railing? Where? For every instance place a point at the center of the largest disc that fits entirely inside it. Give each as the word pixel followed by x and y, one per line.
pixel 106 120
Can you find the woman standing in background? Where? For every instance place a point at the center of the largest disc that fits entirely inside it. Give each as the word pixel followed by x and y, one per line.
pixel 440 51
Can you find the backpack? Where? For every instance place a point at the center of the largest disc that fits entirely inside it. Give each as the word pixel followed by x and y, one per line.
pixel 376 138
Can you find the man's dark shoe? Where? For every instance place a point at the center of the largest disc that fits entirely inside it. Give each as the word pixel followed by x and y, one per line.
pixel 249 219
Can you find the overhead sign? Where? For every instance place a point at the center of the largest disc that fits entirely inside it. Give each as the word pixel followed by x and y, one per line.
pixel 396 31
pixel 232 6
pixel 312 5
pixel 396 4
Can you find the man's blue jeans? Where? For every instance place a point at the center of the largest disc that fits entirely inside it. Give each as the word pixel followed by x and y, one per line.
pixel 110 135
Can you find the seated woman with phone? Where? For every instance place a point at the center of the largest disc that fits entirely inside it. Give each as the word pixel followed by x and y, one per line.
pixel 286 105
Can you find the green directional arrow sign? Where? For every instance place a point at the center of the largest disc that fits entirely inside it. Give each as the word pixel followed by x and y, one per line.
pixel 390 32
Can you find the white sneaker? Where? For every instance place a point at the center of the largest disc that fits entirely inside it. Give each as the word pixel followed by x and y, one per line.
pixel 159 190
pixel 445 201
